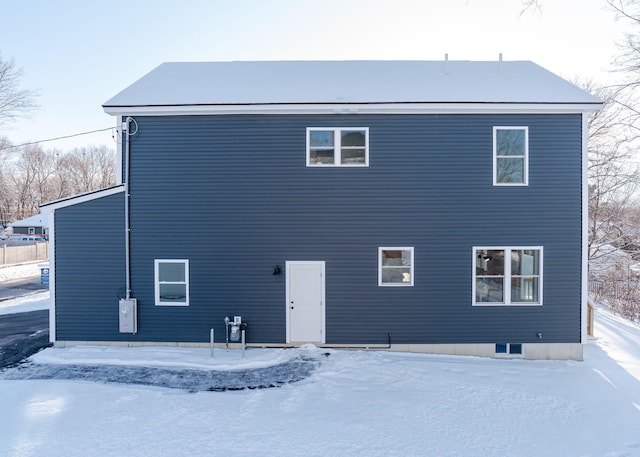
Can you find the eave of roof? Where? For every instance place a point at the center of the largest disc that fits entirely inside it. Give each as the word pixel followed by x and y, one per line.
pixel 81 198
pixel 354 108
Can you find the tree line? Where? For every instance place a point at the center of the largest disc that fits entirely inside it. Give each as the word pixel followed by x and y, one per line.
pixel 31 175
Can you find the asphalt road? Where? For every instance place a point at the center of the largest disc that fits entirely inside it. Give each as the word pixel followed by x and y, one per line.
pixel 20 287
pixel 22 334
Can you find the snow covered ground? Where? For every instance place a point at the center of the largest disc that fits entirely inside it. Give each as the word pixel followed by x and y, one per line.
pixel 34 302
pixel 354 403
pixel 8 273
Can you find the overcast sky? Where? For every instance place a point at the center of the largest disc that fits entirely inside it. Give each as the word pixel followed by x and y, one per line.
pixel 79 53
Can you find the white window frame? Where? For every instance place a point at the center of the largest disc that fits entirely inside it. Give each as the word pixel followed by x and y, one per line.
pixel 509 354
pixel 157 263
pixel 525 158
pixel 337 146
pixel 380 267
pixel 507 275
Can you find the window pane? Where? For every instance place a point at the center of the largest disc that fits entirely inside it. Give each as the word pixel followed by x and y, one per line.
pixel 525 262
pixel 173 293
pixel 396 275
pixel 171 272
pixel 321 157
pixel 501 348
pixel 396 258
pixel 353 138
pixel 321 138
pixel 524 290
pixel 351 156
pixel 510 142
pixel 510 170
pixel 489 262
pixel 515 348
pixel 489 290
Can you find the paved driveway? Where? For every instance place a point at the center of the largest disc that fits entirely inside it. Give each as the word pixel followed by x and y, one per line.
pixel 21 335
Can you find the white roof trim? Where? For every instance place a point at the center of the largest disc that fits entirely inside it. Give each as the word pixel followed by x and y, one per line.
pixel 356 108
pixel 82 198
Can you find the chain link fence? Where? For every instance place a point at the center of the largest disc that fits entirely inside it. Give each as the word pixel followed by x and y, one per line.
pixel 622 297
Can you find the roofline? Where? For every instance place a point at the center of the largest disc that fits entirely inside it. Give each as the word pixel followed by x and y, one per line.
pixel 82 198
pixel 355 108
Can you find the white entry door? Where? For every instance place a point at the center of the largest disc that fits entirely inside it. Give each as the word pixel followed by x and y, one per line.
pixel 305 302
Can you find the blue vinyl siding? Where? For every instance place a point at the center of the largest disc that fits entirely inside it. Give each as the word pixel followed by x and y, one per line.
pixel 89 269
pixel 233 195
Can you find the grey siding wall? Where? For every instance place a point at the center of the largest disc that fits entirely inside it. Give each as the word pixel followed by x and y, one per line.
pixel 232 194
pixel 89 269
pixel 25 230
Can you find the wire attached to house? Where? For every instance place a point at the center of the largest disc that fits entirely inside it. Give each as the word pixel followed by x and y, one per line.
pixel 57 138
pixel 131 119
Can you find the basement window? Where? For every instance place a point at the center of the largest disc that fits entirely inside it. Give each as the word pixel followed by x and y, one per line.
pixel 172 282
pixel 337 147
pixel 509 350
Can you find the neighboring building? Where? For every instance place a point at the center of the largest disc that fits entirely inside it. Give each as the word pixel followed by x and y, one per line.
pixel 425 206
pixel 34 225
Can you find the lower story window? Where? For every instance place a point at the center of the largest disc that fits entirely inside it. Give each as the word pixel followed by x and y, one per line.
pixel 172 282
pixel 395 266
pixel 507 276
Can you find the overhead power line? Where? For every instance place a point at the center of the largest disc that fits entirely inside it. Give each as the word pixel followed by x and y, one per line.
pixel 54 139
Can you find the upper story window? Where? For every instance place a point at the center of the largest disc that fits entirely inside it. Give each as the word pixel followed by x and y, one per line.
pixel 172 282
pixel 507 276
pixel 510 156
pixel 338 147
pixel 395 266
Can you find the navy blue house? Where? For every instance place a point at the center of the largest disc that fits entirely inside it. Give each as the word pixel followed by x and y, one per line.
pixel 411 205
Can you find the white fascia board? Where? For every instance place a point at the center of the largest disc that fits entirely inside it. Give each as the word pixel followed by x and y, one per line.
pixel 63 203
pixel 356 108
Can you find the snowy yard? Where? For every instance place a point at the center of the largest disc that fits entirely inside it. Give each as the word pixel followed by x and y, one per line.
pixel 354 403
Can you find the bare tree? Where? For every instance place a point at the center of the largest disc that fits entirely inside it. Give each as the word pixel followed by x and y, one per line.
pixel 530 5
pixel 614 232
pixel 32 175
pixel 5 193
pixel 85 169
pixel 14 101
pixel 21 182
pixel 613 175
pixel 627 63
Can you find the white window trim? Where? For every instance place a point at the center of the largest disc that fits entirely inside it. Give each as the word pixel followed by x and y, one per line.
pixel 507 275
pixel 396 284
pixel 495 155
pixel 338 146
pixel 157 283
pixel 509 355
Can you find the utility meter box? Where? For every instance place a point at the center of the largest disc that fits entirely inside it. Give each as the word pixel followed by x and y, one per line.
pixel 128 311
